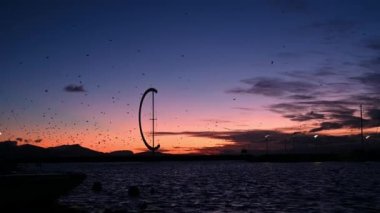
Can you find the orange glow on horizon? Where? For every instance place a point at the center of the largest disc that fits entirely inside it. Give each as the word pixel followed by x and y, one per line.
pixel 117 129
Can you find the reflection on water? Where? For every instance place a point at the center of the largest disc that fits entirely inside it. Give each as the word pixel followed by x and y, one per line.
pixel 225 186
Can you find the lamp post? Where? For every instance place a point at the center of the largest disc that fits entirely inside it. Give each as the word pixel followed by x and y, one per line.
pixel 361 123
pixel 293 140
pixel 315 140
pixel 266 143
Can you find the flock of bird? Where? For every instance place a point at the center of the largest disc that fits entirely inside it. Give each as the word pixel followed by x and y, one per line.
pixel 53 128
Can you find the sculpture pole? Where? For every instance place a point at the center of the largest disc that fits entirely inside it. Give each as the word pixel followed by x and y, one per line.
pixel 151 148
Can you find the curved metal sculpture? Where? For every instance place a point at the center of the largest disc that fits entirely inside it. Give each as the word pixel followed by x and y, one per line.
pixel 151 148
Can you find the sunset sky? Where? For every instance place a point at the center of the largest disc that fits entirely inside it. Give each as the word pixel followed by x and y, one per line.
pixel 226 71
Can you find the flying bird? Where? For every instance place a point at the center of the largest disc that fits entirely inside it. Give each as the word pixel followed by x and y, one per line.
pixel 74 88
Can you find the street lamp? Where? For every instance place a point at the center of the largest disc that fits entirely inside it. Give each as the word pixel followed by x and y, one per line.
pixel 266 142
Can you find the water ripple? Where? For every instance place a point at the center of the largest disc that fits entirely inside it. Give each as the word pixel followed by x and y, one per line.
pixel 225 187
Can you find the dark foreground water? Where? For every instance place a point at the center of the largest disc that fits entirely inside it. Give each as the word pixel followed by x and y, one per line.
pixel 225 186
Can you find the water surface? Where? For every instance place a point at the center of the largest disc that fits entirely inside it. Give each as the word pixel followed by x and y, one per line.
pixel 225 186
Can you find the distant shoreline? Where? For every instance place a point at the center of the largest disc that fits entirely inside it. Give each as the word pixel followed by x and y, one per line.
pixel 11 152
pixel 286 158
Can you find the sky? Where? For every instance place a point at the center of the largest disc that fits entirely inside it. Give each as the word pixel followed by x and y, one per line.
pixel 227 72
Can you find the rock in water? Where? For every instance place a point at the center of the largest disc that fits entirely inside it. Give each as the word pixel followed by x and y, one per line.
pixel 133 191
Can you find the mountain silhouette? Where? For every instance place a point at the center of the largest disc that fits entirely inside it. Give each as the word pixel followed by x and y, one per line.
pixel 9 150
pixel 75 150
pixel 30 151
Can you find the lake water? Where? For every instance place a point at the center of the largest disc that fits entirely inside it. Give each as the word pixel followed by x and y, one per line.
pixel 225 186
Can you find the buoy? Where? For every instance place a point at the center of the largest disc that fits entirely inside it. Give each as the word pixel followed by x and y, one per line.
pixel 133 191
